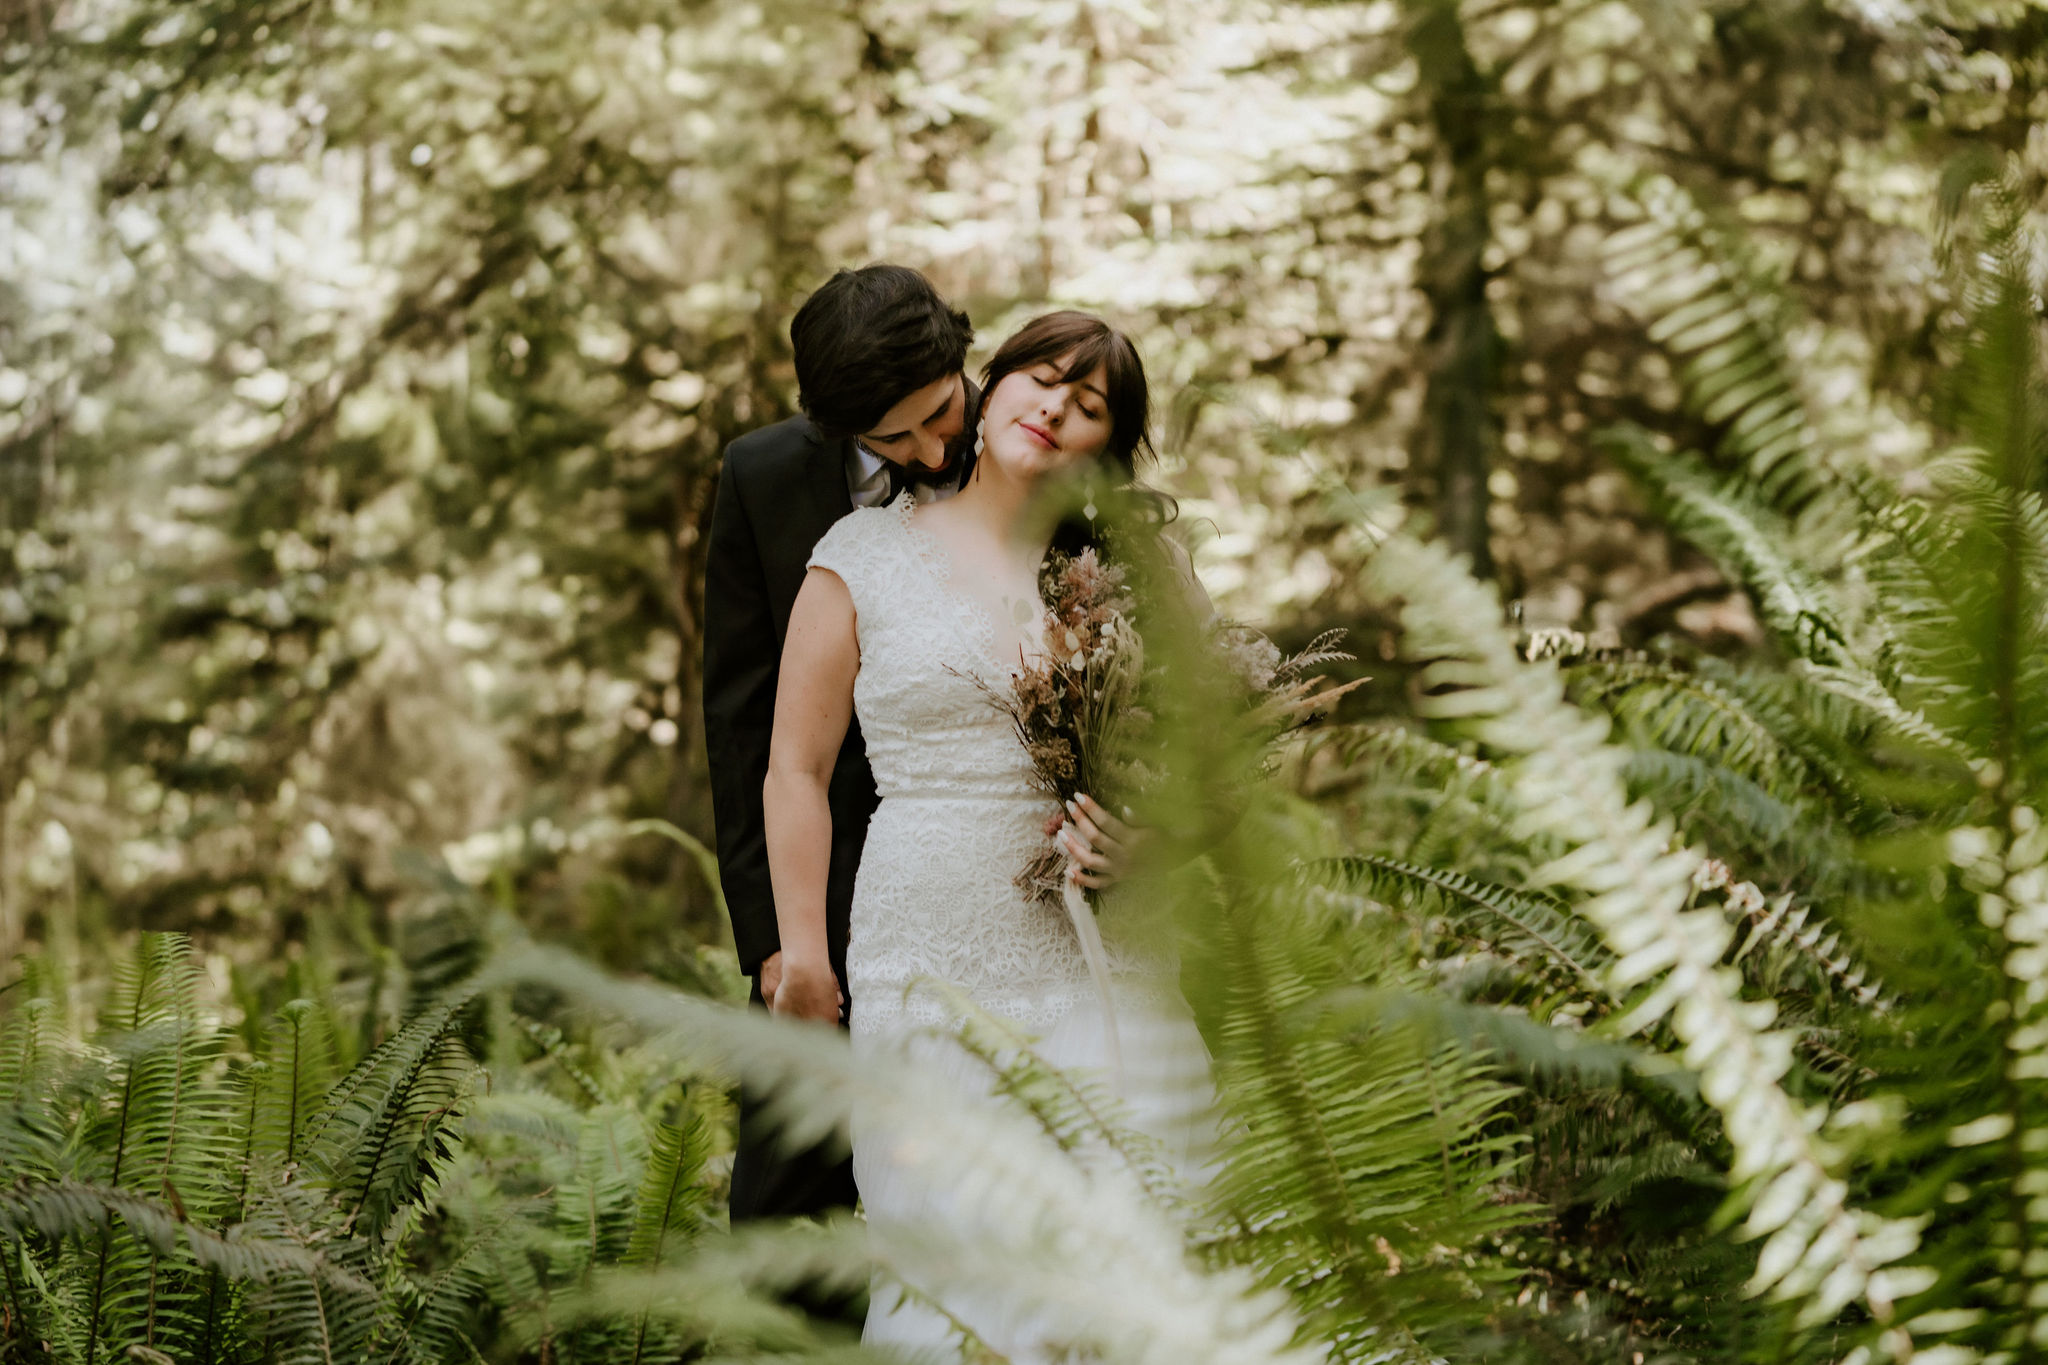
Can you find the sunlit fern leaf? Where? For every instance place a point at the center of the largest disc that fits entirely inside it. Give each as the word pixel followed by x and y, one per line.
pixel 1723 321
pixel 1537 925
pixel 1751 542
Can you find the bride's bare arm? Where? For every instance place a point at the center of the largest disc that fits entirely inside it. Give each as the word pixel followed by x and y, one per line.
pixel 813 706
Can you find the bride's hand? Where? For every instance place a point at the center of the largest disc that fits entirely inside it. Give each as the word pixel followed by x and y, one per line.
pixel 1102 846
pixel 808 990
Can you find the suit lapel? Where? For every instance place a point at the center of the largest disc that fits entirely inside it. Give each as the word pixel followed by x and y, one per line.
pixel 826 477
pixel 811 502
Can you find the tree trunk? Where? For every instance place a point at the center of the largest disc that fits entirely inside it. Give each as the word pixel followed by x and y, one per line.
pixel 1462 349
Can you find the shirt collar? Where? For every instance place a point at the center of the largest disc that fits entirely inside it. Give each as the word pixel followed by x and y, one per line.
pixel 866 464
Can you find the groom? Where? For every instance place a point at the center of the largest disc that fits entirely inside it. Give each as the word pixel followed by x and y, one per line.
pixel 885 403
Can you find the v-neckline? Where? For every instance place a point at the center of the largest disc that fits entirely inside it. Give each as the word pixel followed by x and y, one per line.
pixel 973 615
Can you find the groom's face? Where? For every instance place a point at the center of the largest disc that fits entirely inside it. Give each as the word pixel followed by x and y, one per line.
pixel 919 432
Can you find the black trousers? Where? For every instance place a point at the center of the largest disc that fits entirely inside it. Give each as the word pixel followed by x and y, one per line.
pixel 768 1182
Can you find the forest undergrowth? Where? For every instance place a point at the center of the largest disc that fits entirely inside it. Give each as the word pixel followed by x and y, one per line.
pixel 1613 1005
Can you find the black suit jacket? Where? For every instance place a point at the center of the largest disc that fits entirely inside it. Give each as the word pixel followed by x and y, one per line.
pixel 780 489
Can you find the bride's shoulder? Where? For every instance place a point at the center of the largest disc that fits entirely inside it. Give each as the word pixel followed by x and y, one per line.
pixel 859 534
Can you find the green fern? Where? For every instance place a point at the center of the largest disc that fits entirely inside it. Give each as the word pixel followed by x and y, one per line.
pixel 1357 1163
pixel 1722 319
pixel 1537 928
pixel 1668 956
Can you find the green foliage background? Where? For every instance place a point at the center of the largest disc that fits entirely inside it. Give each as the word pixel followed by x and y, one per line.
pixel 364 368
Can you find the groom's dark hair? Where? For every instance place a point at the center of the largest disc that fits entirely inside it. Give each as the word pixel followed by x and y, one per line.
pixel 867 339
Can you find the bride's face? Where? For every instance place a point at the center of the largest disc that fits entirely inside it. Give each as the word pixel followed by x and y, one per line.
pixel 1037 423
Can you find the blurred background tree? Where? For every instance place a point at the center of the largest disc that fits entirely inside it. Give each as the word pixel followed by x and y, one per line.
pixel 364 366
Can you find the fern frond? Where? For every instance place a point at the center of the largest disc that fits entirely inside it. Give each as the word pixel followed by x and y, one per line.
pixel 1751 543
pixel 534 1117
pixel 701 856
pixel 297 1072
pixel 1721 320
pixel 1512 1039
pixel 669 1211
pixel 733 1290
pixel 1351 1165
pixel 1692 713
pixel 1539 926
pixel 1377 751
pixel 376 1142
pixel 170 1137
pixel 1775 926
pixel 1818 1249
pixel 671 1205
pixel 594 1207
pixel 76 1208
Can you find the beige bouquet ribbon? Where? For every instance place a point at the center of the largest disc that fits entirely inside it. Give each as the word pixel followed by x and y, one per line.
pixel 1097 959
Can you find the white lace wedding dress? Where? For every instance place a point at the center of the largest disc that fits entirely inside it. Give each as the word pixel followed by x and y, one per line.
pixel 935 899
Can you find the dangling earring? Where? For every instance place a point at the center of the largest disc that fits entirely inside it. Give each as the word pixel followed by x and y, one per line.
pixel 980 436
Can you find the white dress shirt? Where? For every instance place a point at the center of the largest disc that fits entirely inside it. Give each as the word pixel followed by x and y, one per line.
pixel 867 479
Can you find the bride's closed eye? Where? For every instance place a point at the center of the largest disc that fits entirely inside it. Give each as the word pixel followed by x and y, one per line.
pixel 1039 377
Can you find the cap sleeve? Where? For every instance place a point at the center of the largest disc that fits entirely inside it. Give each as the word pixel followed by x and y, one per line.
pixel 849 548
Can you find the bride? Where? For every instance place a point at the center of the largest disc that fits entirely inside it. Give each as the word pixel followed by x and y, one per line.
pixel 907 613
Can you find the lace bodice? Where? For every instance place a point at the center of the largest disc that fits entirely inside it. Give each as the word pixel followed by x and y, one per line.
pixel 926 652
pixel 959 816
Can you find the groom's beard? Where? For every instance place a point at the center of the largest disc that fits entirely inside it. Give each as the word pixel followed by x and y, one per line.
pixel 959 463
pixel 922 476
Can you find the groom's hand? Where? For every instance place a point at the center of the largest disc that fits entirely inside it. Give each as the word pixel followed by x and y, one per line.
pixel 808 990
pixel 771 977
